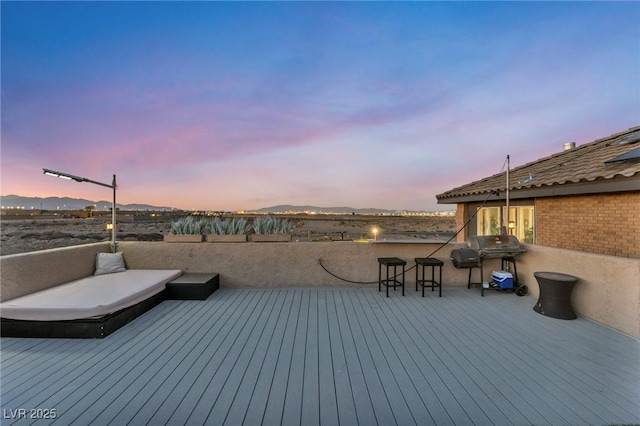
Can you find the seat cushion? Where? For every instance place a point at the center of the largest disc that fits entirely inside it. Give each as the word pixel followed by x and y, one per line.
pixel 89 297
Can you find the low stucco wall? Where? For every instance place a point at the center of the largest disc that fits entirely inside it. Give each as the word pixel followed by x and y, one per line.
pixel 27 273
pixel 608 291
pixel 285 264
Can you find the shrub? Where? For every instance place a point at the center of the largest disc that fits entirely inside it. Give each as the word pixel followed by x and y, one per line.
pixel 187 225
pixel 271 225
pixel 233 226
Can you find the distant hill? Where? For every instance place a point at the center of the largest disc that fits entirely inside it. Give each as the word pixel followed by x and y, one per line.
pixel 66 203
pixel 283 208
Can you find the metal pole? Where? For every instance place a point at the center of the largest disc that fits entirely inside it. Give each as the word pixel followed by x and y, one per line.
pixel 508 167
pixel 83 179
pixel 113 218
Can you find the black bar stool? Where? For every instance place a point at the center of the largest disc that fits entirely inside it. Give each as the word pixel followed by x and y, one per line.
pixel 433 263
pixel 390 280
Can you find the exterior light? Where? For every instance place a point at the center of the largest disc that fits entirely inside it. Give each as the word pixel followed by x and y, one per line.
pixel 512 226
pixel 60 175
pixel 375 233
pixel 113 186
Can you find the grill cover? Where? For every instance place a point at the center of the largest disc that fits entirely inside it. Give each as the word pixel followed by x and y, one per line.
pixel 495 245
pixel 465 258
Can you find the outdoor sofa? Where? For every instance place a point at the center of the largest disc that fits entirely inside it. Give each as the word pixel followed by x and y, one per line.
pixel 89 307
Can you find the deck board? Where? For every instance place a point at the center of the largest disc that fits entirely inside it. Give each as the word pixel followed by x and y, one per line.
pixel 412 408
pixel 215 372
pixel 555 393
pixel 385 362
pixel 379 396
pixel 292 411
pixel 328 403
pixel 239 396
pixel 332 356
pixel 273 411
pixel 342 381
pixel 253 412
pixel 568 370
pixel 363 404
pixel 498 368
pixel 156 381
pixel 422 331
pixel 424 397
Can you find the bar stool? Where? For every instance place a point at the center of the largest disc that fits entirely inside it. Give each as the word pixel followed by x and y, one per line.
pixel 433 263
pixel 390 280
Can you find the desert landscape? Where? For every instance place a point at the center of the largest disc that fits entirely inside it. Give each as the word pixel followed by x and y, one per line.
pixel 21 235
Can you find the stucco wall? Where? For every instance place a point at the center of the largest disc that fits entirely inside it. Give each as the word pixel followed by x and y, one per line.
pixel 608 292
pixel 609 287
pixel 285 264
pixel 27 273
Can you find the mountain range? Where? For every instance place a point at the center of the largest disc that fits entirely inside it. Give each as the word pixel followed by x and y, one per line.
pixel 283 208
pixel 66 203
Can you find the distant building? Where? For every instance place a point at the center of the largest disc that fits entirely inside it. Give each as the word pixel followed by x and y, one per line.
pixel 584 198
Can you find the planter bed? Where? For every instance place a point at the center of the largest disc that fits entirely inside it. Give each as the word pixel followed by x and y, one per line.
pixel 234 238
pixel 271 238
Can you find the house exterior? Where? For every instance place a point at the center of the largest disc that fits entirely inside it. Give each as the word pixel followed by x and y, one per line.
pixel 584 198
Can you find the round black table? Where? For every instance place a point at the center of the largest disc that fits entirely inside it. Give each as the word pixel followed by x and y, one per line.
pixel 555 295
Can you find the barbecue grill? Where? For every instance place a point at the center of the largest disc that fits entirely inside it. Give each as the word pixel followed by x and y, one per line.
pixel 504 247
pixel 465 258
pixel 495 246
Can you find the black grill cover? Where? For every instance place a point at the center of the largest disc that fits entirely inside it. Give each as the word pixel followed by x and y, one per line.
pixel 465 258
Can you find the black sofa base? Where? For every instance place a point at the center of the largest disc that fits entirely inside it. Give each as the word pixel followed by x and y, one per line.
pixel 88 328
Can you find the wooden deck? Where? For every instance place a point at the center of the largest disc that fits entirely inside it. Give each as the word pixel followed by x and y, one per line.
pixel 331 356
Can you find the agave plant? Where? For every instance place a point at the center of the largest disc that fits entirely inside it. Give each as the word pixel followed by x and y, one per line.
pixel 215 226
pixel 188 225
pixel 233 226
pixel 272 225
pixel 239 226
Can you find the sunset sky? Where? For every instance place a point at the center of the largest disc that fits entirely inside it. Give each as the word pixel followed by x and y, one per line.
pixel 226 105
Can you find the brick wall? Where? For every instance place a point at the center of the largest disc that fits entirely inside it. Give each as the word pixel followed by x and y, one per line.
pixel 601 223
pixel 461 218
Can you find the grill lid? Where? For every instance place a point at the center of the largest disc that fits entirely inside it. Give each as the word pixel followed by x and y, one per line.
pixel 495 245
pixel 465 258
pixel 492 242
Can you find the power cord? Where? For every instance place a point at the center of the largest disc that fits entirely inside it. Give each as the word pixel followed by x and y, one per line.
pixel 494 192
pixel 344 279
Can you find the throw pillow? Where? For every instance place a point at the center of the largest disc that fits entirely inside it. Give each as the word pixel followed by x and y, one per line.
pixel 108 263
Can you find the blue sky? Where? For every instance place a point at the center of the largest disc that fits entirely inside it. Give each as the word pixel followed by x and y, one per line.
pixel 226 105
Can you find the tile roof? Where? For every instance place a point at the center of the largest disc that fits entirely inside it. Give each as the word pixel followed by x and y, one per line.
pixel 583 164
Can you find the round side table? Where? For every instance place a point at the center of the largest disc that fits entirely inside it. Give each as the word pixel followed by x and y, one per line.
pixel 555 295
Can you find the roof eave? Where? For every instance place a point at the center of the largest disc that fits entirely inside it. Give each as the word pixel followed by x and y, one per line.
pixel 582 188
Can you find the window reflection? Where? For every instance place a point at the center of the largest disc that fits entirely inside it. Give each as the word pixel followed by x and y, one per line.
pixel 519 222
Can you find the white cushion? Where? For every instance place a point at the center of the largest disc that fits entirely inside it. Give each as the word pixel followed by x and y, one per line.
pixel 108 263
pixel 89 297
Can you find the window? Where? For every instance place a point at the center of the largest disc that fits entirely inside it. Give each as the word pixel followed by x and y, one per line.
pixel 520 222
pixel 489 221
